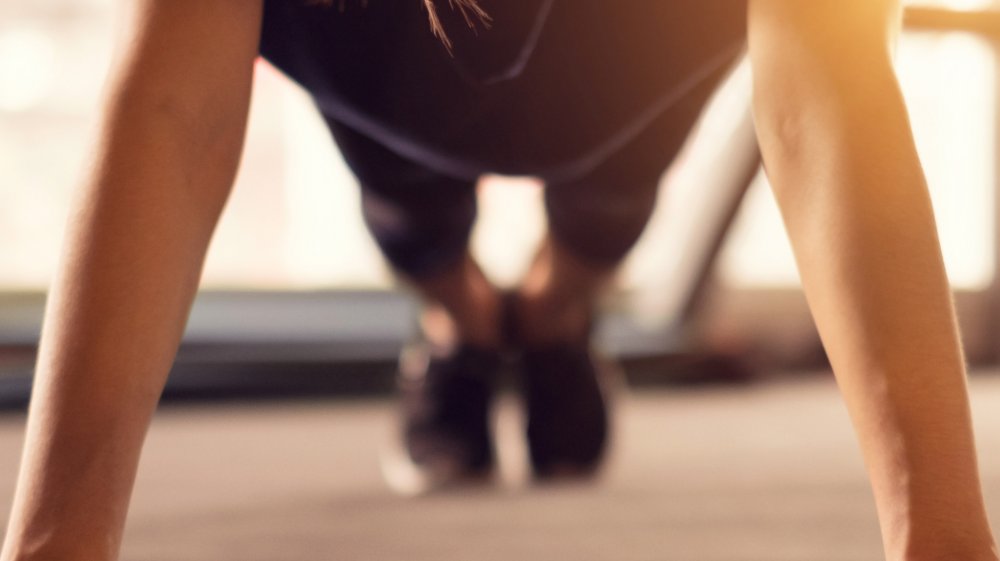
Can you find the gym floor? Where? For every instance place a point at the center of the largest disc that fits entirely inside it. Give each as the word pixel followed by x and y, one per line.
pixel 763 472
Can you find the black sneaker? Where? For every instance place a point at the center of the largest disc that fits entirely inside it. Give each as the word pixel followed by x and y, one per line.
pixel 566 394
pixel 446 406
pixel 565 391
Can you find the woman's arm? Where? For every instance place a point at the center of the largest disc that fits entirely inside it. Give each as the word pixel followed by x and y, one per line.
pixel 838 148
pixel 165 161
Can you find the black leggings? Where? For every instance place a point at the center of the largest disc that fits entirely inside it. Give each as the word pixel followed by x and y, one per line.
pixel 422 219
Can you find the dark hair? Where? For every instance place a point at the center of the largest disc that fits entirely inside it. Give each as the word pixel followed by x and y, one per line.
pixel 471 11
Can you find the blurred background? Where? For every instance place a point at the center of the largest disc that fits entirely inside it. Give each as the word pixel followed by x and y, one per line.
pixel 294 288
pixel 733 445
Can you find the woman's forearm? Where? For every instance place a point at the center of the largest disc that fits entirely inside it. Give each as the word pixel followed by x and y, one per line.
pixel 114 319
pixel 849 184
pixel 864 237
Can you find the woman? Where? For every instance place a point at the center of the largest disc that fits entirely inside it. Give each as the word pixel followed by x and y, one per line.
pixel 604 119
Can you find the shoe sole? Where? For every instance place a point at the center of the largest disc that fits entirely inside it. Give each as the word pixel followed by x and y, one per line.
pixel 407 478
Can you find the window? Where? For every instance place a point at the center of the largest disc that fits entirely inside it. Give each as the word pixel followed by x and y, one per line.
pixel 293 222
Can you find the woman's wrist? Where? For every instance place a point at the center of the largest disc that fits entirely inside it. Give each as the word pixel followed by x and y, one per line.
pixel 965 539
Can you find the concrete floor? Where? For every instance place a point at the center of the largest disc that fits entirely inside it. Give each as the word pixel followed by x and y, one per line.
pixel 766 473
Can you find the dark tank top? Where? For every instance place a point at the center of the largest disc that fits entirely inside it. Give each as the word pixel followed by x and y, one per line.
pixel 552 87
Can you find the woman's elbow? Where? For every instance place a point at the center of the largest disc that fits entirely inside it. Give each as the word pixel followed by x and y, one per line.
pixel 807 105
